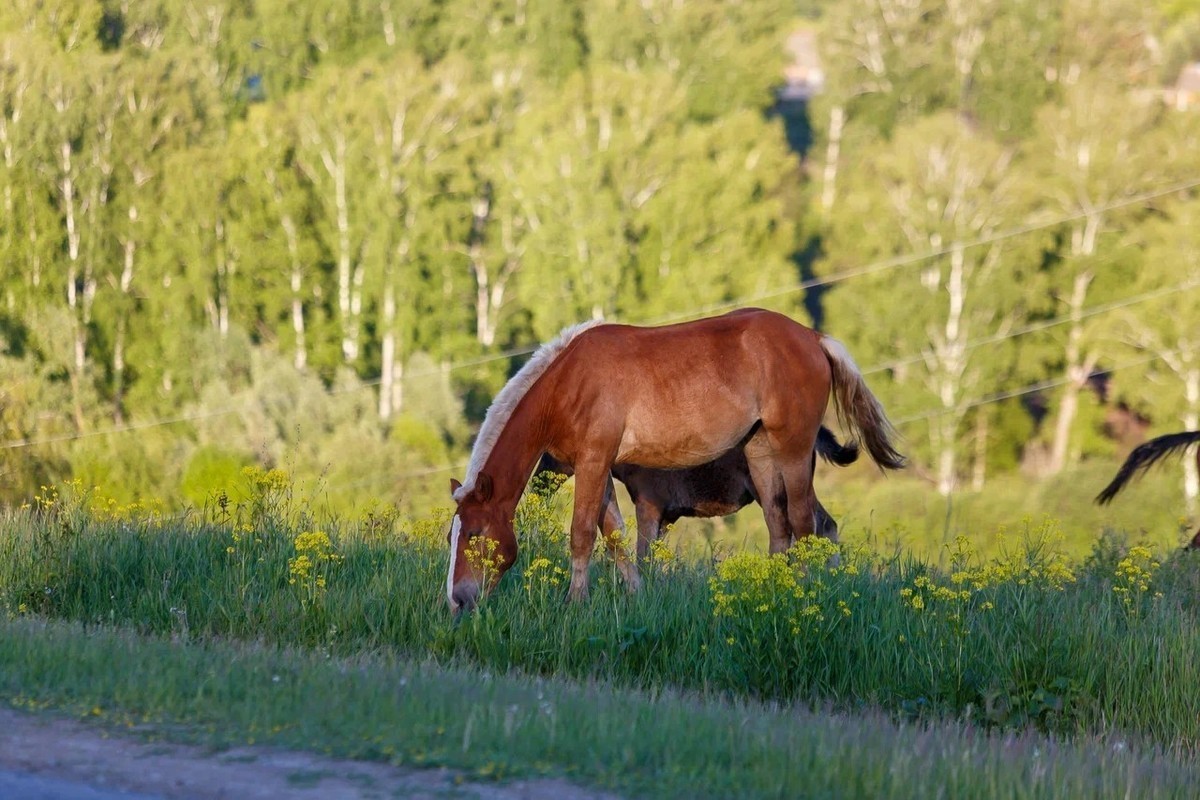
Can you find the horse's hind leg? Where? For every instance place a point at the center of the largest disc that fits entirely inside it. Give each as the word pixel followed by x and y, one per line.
pixel 612 528
pixel 801 500
pixel 772 492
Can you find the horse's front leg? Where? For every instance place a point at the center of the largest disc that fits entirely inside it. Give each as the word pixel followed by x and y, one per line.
pixel 612 528
pixel 590 483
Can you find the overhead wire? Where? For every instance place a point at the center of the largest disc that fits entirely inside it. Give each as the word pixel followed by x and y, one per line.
pixel 873 268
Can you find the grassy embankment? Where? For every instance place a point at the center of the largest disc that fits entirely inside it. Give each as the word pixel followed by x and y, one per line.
pixel 651 744
pixel 1023 640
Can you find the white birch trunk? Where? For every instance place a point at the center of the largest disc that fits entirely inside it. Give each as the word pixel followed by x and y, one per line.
pixel 1077 371
pixel 837 119
pixel 952 365
pixel 979 470
pixel 125 285
pixel 335 164
pixel 387 372
pixel 66 187
pixel 300 357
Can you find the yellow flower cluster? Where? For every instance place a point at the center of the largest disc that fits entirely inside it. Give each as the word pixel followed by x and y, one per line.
pixel 662 555
pixel 429 532
pixel 310 566
pixel 1024 565
pixel 108 509
pixel 749 580
pixel 241 538
pixel 1133 576
pixel 791 588
pixel 267 481
pixel 48 499
pixel 73 498
pixel 481 553
pixel 377 520
pixel 1032 562
pixel 925 589
pixel 538 520
pixel 542 572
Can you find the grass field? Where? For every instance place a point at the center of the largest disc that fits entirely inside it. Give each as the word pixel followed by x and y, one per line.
pixel 1010 671
pixel 652 744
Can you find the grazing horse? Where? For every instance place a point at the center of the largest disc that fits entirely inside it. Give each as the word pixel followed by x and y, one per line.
pixel 1146 455
pixel 715 489
pixel 667 397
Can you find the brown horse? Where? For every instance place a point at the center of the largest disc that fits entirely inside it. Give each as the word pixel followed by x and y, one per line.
pixel 1145 456
pixel 716 489
pixel 669 397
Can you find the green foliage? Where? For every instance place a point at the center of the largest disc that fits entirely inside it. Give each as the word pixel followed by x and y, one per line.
pixel 209 471
pixel 300 229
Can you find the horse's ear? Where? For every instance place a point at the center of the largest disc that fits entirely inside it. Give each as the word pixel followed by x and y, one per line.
pixel 454 486
pixel 483 486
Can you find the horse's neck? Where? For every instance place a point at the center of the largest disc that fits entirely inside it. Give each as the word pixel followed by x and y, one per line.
pixel 516 451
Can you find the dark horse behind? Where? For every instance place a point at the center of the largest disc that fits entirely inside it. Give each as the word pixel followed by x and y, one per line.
pixel 721 487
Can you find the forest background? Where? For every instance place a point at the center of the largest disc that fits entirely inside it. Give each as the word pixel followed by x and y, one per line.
pixel 319 235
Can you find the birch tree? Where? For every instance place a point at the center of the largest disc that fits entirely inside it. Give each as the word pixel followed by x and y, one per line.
pixel 940 189
pixel 1092 152
pixel 158 112
pixel 1163 377
pixel 416 121
pixel 331 157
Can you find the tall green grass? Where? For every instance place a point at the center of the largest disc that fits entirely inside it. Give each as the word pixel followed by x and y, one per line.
pixel 663 744
pixel 1022 640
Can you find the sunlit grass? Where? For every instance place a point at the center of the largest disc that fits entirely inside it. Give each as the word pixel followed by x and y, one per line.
pixel 666 743
pixel 1022 637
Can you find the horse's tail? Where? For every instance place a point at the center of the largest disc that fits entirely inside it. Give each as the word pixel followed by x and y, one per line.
pixel 833 451
pixel 1143 457
pixel 858 409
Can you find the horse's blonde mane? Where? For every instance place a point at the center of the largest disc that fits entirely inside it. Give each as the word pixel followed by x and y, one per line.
pixel 501 409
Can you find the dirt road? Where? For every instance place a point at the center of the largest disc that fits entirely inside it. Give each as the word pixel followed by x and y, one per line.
pixel 49 758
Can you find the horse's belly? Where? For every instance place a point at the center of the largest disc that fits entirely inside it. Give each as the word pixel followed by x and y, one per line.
pixel 674 444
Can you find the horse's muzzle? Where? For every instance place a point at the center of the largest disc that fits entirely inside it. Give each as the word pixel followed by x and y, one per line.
pixel 465 596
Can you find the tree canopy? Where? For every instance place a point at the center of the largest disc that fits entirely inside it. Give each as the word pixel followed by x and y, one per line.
pixel 278 232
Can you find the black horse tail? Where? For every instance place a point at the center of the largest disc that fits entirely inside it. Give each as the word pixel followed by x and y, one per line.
pixel 1145 456
pixel 833 451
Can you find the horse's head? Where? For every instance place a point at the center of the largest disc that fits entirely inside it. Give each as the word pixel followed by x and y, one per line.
pixel 482 544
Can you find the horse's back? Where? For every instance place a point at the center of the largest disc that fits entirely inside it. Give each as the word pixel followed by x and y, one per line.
pixel 680 395
pixel 731 345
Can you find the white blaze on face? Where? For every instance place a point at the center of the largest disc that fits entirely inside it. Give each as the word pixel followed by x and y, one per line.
pixel 455 531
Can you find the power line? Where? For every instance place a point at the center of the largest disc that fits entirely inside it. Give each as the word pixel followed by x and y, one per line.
pixel 1042 325
pixel 886 365
pixel 136 426
pixel 868 269
pixel 914 258
pixel 1008 394
pixel 996 397
pixel 879 266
